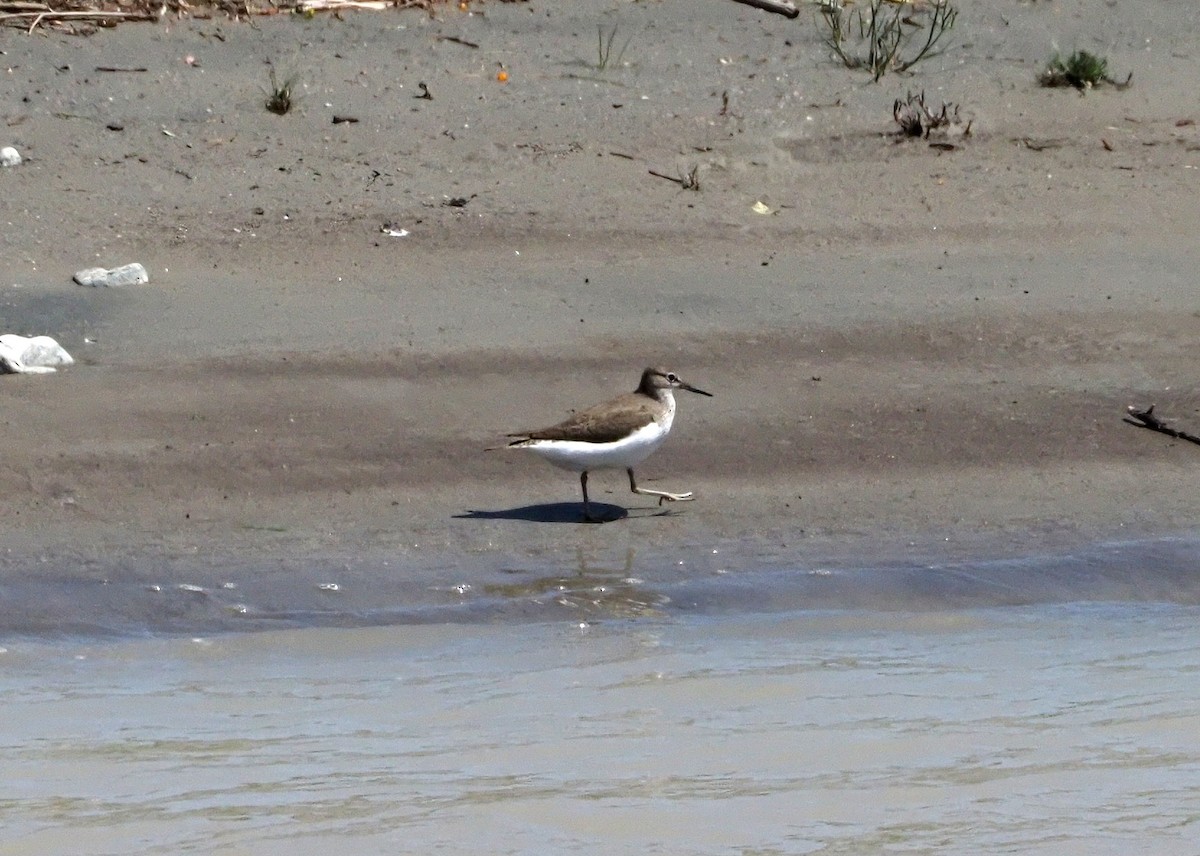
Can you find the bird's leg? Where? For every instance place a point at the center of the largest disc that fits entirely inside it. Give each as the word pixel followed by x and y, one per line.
pixel 662 495
pixel 587 514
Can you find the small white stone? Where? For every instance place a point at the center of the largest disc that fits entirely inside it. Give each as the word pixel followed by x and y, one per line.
pixel 9 156
pixel 31 355
pixel 130 274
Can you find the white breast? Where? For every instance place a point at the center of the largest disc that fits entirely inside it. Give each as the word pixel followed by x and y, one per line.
pixel 626 452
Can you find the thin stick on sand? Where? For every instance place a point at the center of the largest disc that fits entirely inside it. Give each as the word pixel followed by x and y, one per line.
pixel 41 16
pixel 779 7
pixel 1147 419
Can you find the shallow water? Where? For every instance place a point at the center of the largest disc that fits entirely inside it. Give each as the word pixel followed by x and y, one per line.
pixel 133 595
pixel 1055 726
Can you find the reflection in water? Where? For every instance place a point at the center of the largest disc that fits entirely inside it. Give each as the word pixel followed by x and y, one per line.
pixel 595 592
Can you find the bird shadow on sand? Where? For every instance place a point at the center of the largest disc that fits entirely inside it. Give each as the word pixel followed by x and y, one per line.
pixel 559 512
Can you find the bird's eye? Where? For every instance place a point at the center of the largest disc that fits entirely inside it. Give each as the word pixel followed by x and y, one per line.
pixel 671 376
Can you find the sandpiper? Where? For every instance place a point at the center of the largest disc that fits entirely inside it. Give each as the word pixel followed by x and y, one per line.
pixel 617 434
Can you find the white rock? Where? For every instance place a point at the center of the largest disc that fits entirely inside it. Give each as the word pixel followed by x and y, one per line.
pixel 9 156
pixel 131 274
pixel 36 355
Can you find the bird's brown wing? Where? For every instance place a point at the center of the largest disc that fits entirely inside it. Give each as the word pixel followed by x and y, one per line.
pixel 604 423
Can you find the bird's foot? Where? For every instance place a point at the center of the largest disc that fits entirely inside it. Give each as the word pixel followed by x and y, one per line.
pixel 675 497
pixel 665 496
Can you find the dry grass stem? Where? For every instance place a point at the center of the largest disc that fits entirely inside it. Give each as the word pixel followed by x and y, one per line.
pixel 916 119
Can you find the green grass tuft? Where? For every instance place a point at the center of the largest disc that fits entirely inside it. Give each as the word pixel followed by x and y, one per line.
pixel 1082 70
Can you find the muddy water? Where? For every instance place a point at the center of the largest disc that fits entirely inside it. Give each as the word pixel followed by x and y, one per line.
pixel 1053 726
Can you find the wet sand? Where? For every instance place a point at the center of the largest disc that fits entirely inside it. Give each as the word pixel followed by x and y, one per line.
pixel 920 352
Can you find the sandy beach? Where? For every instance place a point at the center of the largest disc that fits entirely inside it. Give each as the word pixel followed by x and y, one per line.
pixel 917 350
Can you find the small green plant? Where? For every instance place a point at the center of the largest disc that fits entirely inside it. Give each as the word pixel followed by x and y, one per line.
pixel 280 99
pixel 882 32
pixel 1082 70
pixel 604 48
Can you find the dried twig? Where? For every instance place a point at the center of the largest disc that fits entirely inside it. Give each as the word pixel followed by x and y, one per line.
pixel 1147 419
pixel 337 5
pixel 779 7
pixel 458 41
pixel 916 119
pixel 47 15
pixel 111 12
pixel 688 181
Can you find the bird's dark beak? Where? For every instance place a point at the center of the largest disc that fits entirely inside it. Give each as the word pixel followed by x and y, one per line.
pixel 691 388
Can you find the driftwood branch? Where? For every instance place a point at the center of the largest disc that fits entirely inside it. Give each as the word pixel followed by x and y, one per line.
pixel 779 7
pixel 102 12
pixel 39 17
pixel 1147 419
